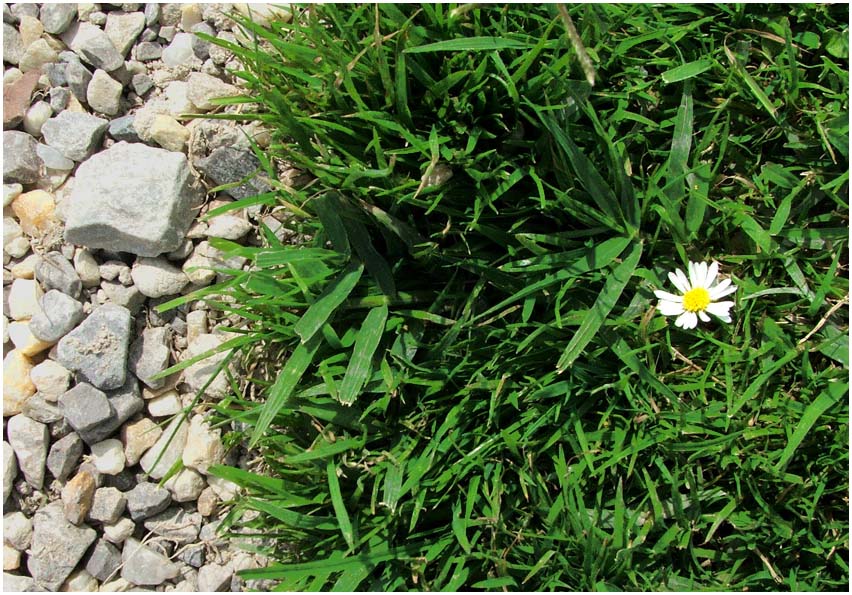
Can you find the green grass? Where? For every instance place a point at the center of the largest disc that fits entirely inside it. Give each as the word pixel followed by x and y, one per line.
pixel 462 382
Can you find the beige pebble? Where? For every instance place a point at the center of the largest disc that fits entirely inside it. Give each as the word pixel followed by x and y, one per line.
pixel 25 269
pixel 24 299
pixel 24 341
pixel 17 386
pixel 138 437
pixel 36 212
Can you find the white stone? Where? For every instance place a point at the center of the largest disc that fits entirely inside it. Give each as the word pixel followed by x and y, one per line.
pixel 10 468
pixel 50 379
pixel 156 277
pixel 104 93
pixel 142 565
pixel 17 530
pixel 138 437
pixel 225 489
pixel 36 116
pixel 203 445
pixel 24 299
pixel 179 51
pixel 166 404
pixel 109 456
pixel 227 226
pixel 177 101
pixel 123 29
pixel 198 267
pixel 80 581
pixel 24 341
pixel 87 267
pixel 30 440
pixel 17 247
pixel 17 386
pixel 197 375
pixel 170 445
pixel 10 193
pixel 262 13
pixel 186 486
pixel 11 558
pixel 203 88
pixel 25 269
pixel 119 531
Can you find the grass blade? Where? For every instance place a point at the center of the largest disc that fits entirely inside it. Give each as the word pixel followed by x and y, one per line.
pixel 827 398
pixel 360 363
pixel 337 502
pixel 334 295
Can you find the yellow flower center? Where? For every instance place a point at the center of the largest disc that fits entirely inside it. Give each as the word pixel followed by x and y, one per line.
pixel 696 299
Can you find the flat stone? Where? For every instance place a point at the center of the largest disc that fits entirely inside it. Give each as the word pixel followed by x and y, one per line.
pixel 18 530
pixel 37 55
pixel 104 560
pixel 121 129
pixel 104 93
pixel 64 455
pixel 157 277
pixel 146 499
pixel 53 159
pixel 168 450
pixel 229 227
pixel 85 408
pixel 54 271
pixel 165 404
pixel 125 402
pixel 29 439
pixel 215 577
pixel 186 485
pixel 108 456
pixel 132 198
pixel 121 295
pixel 203 89
pixel 107 506
pixel 227 165
pixel 175 524
pixel 197 375
pixel 149 355
pixel 57 546
pixel 138 437
pixel 75 135
pixel 143 566
pixel 13 46
pixel 59 314
pixel 15 583
pixel 77 496
pixel 21 163
pixel 123 28
pixel 16 97
pixel 78 77
pixel 97 348
pixel 39 409
pixel 17 386
pixel 119 531
pixel 147 51
pixel 142 83
pixel 56 18
pixel 93 46
pixel 203 445
pixel 50 379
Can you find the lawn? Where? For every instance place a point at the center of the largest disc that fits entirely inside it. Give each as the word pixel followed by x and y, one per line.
pixel 462 378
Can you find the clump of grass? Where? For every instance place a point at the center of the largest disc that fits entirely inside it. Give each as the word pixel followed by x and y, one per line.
pixel 464 385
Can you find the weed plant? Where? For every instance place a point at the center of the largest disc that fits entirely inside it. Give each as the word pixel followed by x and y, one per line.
pixel 460 380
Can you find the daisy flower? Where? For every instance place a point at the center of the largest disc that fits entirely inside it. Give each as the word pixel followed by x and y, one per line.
pixel 700 293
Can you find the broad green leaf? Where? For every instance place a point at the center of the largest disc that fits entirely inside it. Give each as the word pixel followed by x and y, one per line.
pixel 687 71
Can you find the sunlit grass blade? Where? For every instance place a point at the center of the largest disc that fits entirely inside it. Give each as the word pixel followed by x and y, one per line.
pixel 334 295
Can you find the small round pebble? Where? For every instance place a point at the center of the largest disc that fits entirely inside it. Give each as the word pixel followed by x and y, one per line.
pixel 109 456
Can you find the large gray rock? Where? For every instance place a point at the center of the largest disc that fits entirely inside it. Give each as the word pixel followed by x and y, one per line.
pixel 123 402
pixel 132 198
pixel 86 408
pixel 30 440
pixel 97 348
pixel 143 566
pixel 54 271
pixel 21 163
pixel 93 46
pixel 226 165
pixel 149 355
pixel 59 314
pixel 64 455
pixel 74 134
pixel 147 499
pixel 56 18
pixel 57 546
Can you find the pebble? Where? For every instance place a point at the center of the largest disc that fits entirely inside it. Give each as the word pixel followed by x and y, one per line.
pixel 17 530
pixel 167 450
pixel 177 102
pixel 36 212
pixel 24 340
pixel 111 269
pixel 37 408
pixel 78 78
pixel 116 205
pixel 57 546
pixel 119 531
pixel 29 439
pixel 149 355
pixel 142 565
pixel 197 375
pixel 221 55
pixel 17 386
pixel 30 29
pixel 74 134
pixel 12 235
pixel 214 577
pixel 179 51
pixel 156 277
pixel 59 315
pixel 104 560
pixel 77 497
pixel 64 455
pixel 50 379
pixel 226 165
pixel 56 18
pixel 229 227
pixel 53 159
pixel 109 456
pixel 85 407
pixel 10 193
pixel 93 46
pixel 147 499
pixel 59 97
pixel 107 506
pixel 14 583
pixel 104 93
pixel 201 47
pixel 203 445
pixel 121 129
pixel 97 348
pixel 138 437
pixel 25 269
pixel 10 469
pixel 37 55
pixel 54 271
pixel 123 28
pixel 35 118
pixel 168 133
pixel 11 558
pixel 175 524
pixel 120 295
pixel 166 404
pixel 142 83
pixel 80 581
pixel 198 267
pixel 186 485
pixel 207 501
pixel 13 46
pixel 87 268
pixel 203 89
pixel 21 163
pixel 225 489
pixel 24 299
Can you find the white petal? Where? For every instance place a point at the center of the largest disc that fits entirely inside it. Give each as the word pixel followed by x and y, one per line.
pixel 722 289
pixel 702 274
pixel 687 320
pixel 692 269
pixel 719 309
pixel 678 279
pixel 712 272
pixel 703 317
pixel 665 295
pixel 668 308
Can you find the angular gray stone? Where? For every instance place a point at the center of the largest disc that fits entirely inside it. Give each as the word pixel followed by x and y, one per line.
pixel 64 456
pixel 39 409
pixel 56 18
pixel 54 271
pixel 93 46
pixel 103 561
pixel 193 555
pixel 14 583
pixel 149 355
pixel 29 440
pixel 60 313
pixel 215 577
pixel 17 530
pixel 56 74
pixel 74 134
pixel 126 402
pixel 78 77
pixel 203 88
pixel 123 28
pixel 143 566
pixel 86 408
pixel 97 348
pixel 57 546
pixel 123 295
pixel 21 163
pixel 148 51
pixel 53 159
pixel 227 164
pixel 200 46
pixel 10 469
pixel 142 83
pixel 59 97
pixel 175 524
pixel 104 93
pixel 157 277
pixel 146 499
pixel 13 47
pixel 121 129
pixel 108 505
